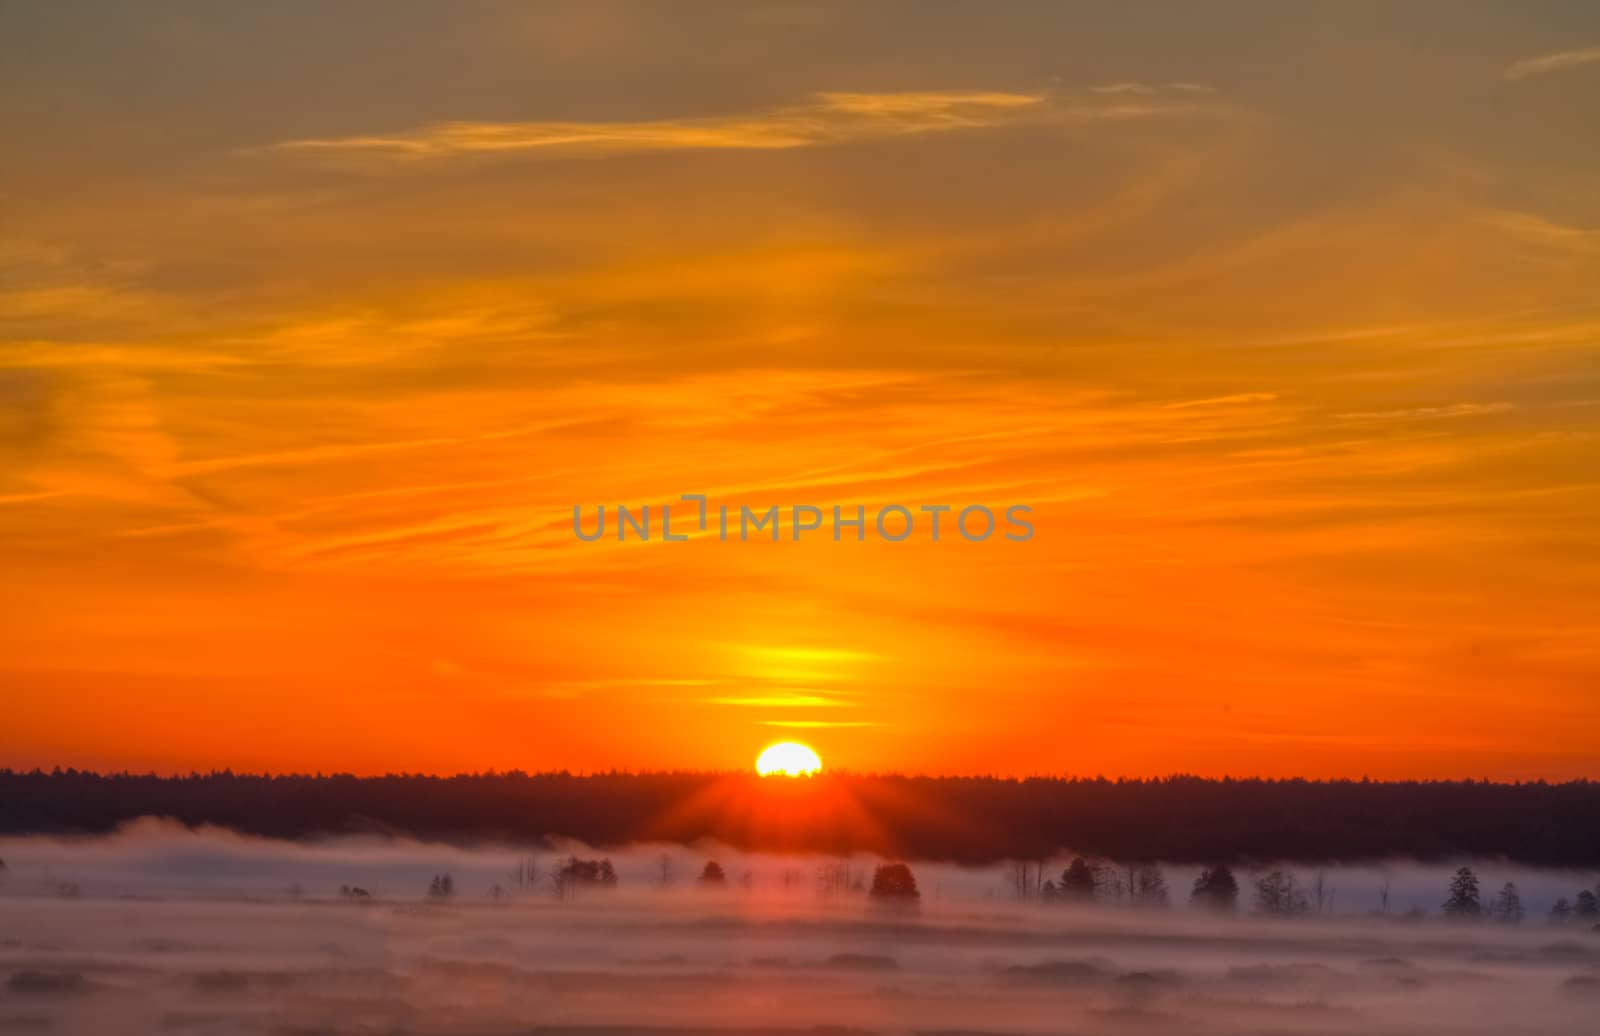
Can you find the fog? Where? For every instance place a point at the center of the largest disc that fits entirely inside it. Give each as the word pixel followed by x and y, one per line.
pixel 158 929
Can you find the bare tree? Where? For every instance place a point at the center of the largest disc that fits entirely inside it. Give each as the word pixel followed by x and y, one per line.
pixel 664 866
pixel 837 876
pixel 1322 893
pixel 1279 894
pixel 1027 879
pixel 525 875
pixel 1147 886
pixel 1108 883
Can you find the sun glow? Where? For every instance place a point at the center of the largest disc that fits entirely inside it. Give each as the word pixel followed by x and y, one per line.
pixel 788 759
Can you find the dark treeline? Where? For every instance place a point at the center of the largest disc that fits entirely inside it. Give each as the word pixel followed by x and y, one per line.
pixel 964 819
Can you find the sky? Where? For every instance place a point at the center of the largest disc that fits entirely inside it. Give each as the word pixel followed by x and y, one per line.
pixel 317 321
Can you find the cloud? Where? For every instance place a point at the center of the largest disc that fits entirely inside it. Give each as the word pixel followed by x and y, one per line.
pixel 816 724
pixel 1241 397
pixel 1546 63
pixel 1424 412
pixel 778 701
pixel 828 118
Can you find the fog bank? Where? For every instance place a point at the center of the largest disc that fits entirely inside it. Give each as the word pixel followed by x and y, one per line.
pixel 158 929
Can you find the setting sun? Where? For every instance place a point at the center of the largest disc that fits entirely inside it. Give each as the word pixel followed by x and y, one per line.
pixel 788 758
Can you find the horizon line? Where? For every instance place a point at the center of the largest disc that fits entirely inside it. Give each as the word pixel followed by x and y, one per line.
pixel 842 773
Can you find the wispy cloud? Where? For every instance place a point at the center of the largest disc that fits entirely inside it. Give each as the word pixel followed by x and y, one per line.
pixel 1557 62
pixel 1427 412
pixel 815 724
pixel 1241 397
pixel 778 701
pixel 828 118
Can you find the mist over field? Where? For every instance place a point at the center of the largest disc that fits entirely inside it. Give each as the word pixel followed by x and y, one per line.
pixel 160 929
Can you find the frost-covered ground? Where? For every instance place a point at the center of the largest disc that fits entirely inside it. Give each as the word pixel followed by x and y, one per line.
pixel 178 932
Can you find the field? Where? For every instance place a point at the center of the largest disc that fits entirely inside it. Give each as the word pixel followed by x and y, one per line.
pixel 160 930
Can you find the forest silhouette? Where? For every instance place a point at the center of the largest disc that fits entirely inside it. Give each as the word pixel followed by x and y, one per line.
pixel 961 819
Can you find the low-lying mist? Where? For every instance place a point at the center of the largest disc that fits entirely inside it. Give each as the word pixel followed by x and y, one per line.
pixel 160 929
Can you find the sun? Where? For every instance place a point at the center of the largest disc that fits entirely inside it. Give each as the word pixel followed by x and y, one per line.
pixel 789 759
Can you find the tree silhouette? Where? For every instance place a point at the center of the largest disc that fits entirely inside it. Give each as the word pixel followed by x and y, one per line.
pixel 1463 900
pixel 576 874
pixel 894 881
pixel 836 876
pixel 712 874
pixel 1279 894
pixel 1560 911
pixel 1147 886
pixel 443 886
pixel 1322 893
pixel 1215 889
pixel 1586 906
pixel 1027 879
pixel 525 875
pixel 1077 881
pixel 1508 905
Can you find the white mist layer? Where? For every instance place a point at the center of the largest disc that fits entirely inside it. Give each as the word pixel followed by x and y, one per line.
pixel 210 932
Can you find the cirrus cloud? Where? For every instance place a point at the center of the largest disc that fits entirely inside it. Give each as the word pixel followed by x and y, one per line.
pixel 1557 62
pixel 828 118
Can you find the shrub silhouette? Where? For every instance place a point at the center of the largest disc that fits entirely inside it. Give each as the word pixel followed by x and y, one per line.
pixel 894 881
pixel 713 874
pixel 1077 881
pixel 1215 889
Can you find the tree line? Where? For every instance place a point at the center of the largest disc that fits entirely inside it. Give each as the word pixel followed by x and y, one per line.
pixel 960 819
pixel 1278 892
pixel 891 882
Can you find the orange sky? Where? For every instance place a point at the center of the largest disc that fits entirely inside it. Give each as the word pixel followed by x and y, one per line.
pixel 315 324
